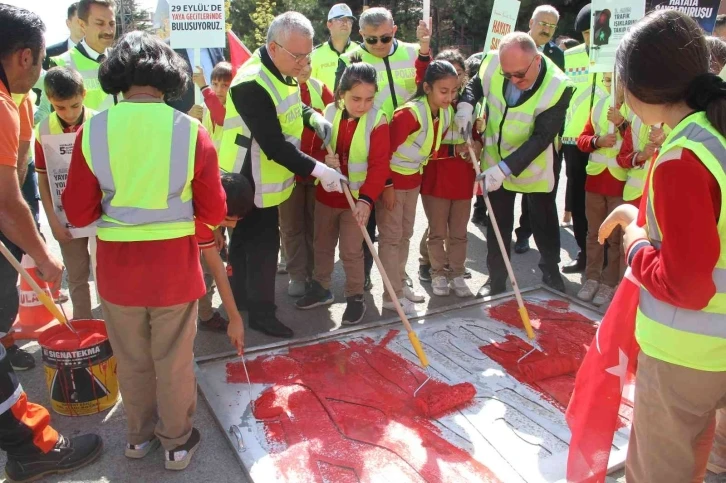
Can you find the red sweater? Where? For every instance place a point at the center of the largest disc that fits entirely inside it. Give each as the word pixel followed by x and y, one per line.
pixel 681 272
pixel 150 273
pixel 217 110
pixel 311 144
pixel 604 183
pixel 378 172
pixel 448 176
pixel 402 125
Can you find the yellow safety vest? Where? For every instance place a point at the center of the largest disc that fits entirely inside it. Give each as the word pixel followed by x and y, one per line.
pixel 398 68
pixel 315 87
pixel 324 62
pixel 360 144
pixel 215 131
pixel 588 89
pixel 146 186
pixel 415 152
pixel 605 158
pixel 95 99
pixel 689 338
pixel 273 182
pixel 509 127
pixel 51 125
pixel 640 134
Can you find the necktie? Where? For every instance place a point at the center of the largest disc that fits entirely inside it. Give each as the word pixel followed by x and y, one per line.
pixel 101 58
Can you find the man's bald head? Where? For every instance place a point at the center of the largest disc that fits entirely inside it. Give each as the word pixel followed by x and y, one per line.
pixel 520 40
pixel 519 59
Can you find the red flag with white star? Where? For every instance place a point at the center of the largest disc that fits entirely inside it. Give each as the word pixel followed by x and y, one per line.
pixel 598 406
pixel 238 52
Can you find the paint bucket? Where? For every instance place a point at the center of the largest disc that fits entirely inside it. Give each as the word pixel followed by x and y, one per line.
pixel 80 374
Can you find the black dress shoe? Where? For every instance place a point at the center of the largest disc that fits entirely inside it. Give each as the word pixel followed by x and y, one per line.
pixel 575 266
pixel 467 274
pixel 554 281
pixel 268 324
pixel 521 246
pixel 368 284
pixel 480 218
pixel 488 290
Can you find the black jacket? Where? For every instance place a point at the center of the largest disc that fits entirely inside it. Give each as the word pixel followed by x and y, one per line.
pixel 546 125
pixel 186 101
pixel 555 54
pixel 255 107
pixel 54 51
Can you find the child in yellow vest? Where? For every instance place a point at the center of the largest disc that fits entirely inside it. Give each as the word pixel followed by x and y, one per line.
pixel 65 91
pixel 603 193
pixel 417 129
pixel 362 148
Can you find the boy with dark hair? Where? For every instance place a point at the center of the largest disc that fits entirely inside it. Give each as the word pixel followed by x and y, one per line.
pixel 240 200
pixel 65 91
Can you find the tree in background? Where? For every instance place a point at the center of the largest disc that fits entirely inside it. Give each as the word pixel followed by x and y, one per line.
pixel 455 23
pixel 129 16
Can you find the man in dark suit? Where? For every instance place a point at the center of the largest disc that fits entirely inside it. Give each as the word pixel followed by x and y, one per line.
pixel 210 58
pixel 76 34
pixel 542 28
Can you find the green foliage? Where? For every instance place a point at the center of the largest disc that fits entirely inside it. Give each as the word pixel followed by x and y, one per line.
pixel 457 23
pixel 129 16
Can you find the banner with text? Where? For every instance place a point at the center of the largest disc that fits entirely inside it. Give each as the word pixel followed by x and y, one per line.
pixel 196 24
pixel 57 150
pixel 502 22
pixel 702 11
pixel 611 19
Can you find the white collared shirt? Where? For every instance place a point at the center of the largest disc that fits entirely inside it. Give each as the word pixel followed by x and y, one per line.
pixel 71 44
pixel 91 53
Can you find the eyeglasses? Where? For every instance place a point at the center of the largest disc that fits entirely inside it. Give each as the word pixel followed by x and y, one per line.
pixel 297 57
pixel 545 24
pixel 342 20
pixel 519 75
pixel 385 39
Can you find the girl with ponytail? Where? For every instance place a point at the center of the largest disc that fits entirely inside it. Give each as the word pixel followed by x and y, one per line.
pixel 676 246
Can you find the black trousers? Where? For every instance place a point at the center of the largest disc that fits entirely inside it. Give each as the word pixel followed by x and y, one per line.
pixel 31 194
pixel 545 228
pixel 8 288
pixel 253 253
pixel 576 162
pixel 367 256
pixel 524 230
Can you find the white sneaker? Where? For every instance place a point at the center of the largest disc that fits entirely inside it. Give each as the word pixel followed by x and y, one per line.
pixel 588 290
pixel 440 286
pixel 408 307
pixel 138 451
pixel 411 295
pixel 603 295
pixel 461 289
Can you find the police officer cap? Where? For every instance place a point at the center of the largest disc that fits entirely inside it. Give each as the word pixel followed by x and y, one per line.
pixel 582 22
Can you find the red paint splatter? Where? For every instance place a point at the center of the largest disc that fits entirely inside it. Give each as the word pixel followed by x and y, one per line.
pixel 348 414
pixel 564 335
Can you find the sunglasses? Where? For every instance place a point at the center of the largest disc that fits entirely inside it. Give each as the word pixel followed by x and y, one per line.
pixel 519 75
pixel 299 58
pixel 545 24
pixel 385 39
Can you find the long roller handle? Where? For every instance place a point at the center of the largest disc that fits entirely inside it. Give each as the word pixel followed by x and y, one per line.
pixel 42 296
pixel 386 281
pixel 522 309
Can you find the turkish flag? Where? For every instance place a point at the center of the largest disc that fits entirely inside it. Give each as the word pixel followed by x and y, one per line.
pixel 238 53
pixel 597 408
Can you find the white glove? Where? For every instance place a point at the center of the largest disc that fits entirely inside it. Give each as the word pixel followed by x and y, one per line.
pixel 322 127
pixel 463 118
pixel 329 178
pixel 493 178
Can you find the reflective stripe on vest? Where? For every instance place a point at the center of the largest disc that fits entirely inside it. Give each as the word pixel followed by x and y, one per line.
pixel 577 69
pixel 360 144
pixel 324 63
pixel 215 132
pixel 413 154
pixel 134 206
pixel 96 98
pixel 691 338
pixel 51 126
pixel 315 87
pixel 403 73
pixel 508 127
pixel 636 175
pixel 605 158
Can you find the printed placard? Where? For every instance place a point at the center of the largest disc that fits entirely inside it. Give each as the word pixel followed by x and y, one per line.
pixel 611 19
pixel 57 149
pixel 702 11
pixel 196 24
pixel 502 22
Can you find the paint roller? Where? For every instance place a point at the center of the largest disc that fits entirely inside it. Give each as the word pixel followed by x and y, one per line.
pixel 552 366
pixel 436 401
pixel 43 297
pixel 502 248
